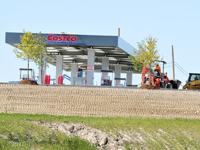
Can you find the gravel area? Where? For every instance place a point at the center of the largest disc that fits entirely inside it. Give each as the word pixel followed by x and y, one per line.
pixel 100 139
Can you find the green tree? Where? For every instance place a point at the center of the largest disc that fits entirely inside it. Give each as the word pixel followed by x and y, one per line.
pixel 31 47
pixel 145 54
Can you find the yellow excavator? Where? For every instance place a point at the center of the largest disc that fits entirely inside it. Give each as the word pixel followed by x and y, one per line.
pixel 193 82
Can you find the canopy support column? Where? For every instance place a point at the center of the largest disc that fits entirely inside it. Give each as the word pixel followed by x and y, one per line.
pixel 59 66
pixel 105 67
pixel 117 74
pixel 74 72
pixel 90 67
pixel 129 78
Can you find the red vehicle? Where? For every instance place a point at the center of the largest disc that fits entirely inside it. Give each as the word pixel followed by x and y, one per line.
pixel 157 80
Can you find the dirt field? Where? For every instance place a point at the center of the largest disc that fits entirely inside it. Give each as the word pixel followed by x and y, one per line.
pixel 99 101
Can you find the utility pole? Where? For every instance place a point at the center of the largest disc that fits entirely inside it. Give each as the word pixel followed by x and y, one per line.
pixel 173 68
pixel 119 32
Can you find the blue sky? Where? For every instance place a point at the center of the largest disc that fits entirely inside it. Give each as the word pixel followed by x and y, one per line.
pixel 174 22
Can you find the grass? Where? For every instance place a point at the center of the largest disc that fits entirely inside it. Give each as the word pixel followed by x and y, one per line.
pixel 17 134
pixel 154 133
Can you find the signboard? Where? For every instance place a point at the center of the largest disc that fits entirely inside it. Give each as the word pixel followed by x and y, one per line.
pixel 62 38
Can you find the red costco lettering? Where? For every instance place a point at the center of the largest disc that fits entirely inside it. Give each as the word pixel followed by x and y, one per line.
pixel 65 38
pixel 49 37
pixel 73 38
pixel 55 38
pixel 62 38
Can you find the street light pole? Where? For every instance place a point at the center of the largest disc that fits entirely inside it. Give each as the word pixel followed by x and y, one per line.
pixel 173 68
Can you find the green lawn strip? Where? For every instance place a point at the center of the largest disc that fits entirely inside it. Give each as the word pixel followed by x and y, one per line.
pixel 111 123
pixel 19 134
pixel 115 123
pixel 158 133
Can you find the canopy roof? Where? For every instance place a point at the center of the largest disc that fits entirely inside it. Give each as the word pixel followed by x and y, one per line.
pixel 74 48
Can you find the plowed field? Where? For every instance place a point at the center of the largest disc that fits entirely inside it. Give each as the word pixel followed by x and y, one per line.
pixel 88 101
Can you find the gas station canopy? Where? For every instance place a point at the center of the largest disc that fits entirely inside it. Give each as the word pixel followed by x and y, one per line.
pixel 74 49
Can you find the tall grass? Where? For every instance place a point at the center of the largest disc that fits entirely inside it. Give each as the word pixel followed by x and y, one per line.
pixel 155 133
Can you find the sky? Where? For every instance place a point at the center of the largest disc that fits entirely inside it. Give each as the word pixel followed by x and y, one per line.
pixel 171 22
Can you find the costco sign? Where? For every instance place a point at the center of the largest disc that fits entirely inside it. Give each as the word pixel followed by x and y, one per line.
pixel 62 38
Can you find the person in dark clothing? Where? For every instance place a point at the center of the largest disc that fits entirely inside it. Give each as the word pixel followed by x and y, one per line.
pixel 80 72
pixel 157 71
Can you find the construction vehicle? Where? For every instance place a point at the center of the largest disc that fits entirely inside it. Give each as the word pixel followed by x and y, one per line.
pixel 150 78
pixel 154 79
pixel 193 82
pixel 27 76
